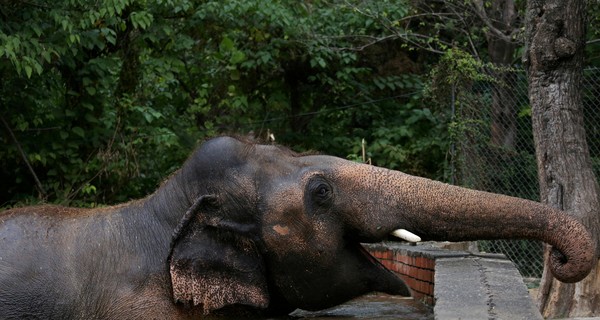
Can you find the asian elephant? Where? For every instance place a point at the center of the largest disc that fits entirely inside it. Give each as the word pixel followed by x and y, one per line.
pixel 250 229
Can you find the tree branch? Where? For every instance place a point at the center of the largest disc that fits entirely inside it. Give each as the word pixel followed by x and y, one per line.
pixel 24 157
pixel 592 41
pixel 480 11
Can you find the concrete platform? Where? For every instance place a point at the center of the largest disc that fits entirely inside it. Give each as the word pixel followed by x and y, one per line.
pixel 481 287
pixel 464 285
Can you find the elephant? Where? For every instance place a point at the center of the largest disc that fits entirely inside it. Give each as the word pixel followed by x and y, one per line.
pixel 257 230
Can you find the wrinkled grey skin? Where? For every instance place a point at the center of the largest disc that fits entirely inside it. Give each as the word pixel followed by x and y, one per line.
pixel 246 229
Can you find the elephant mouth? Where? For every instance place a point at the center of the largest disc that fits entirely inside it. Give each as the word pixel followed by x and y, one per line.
pixel 380 278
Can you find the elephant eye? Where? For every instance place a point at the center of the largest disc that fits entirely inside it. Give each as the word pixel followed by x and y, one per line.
pixel 321 191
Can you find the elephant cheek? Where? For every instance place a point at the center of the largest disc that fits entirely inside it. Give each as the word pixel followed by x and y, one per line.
pixel 285 226
pixel 301 260
pixel 281 241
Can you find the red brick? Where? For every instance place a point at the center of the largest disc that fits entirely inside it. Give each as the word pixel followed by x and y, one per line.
pixel 399 256
pixel 422 286
pixel 418 286
pixel 429 276
pixel 411 282
pixel 388 264
pixel 414 272
pixel 418 295
pixel 431 264
pixel 410 270
pixel 422 262
pixel 403 268
pixel 384 263
pixel 425 275
pixel 404 259
pixel 404 278
pixel 393 265
pixel 420 274
pixel 418 262
pixel 388 254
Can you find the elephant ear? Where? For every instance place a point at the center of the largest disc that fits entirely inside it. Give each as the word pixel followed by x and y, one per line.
pixel 214 262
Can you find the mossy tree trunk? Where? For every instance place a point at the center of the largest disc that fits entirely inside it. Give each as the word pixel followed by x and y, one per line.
pixel 555 41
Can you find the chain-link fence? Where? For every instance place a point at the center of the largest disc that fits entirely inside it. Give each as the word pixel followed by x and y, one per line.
pixel 494 149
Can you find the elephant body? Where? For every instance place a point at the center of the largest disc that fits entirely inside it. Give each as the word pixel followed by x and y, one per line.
pixel 68 263
pixel 247 229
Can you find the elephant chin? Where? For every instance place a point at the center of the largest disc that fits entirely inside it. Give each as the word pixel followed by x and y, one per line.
pixel 382 279
pixel 354 273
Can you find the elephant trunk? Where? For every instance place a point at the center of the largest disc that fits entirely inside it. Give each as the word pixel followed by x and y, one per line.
pixel 437 211
pixel 460 214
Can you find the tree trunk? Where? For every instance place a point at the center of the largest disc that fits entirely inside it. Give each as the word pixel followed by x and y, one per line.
pixel 503 16
pixel 504 111
pixel 555 41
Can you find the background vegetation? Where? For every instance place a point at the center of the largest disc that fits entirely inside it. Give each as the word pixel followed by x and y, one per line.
pixel 100 101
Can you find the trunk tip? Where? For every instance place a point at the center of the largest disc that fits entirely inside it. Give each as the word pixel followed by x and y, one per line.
pixel 572 268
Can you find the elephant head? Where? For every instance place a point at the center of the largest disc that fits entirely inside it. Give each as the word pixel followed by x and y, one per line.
pixel 270 228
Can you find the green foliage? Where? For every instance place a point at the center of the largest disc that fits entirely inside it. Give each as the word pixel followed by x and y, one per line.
pixel 106 99
pixel 456 68
pixel 450 87
pixel 60 62
pixel 399 133
pixel 592 48
pixel 467 86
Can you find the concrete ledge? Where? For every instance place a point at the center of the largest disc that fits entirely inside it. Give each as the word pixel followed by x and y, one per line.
pixel 458 284
pixel 478 287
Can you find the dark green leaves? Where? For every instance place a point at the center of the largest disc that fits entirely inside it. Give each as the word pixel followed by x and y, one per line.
pixel 109 97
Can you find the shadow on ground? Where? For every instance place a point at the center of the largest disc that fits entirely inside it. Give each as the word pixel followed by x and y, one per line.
pixel 372 306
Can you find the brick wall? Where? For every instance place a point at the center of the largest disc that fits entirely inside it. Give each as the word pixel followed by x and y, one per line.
pixel 434 275
pixel 414 267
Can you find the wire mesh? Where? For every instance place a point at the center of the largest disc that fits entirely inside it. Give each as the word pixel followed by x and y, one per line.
pixel 494 148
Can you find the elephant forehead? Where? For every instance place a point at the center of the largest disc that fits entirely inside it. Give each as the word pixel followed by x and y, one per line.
pixel 281 196
pixel 240 178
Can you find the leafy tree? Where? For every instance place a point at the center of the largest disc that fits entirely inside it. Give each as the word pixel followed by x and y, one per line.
pixel 106 99
pixel 69 101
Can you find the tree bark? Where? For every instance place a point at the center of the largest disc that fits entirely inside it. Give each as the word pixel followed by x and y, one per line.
pixel 503 17
pixel 555 41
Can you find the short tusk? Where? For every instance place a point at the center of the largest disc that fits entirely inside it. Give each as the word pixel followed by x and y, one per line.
pixel 406 235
